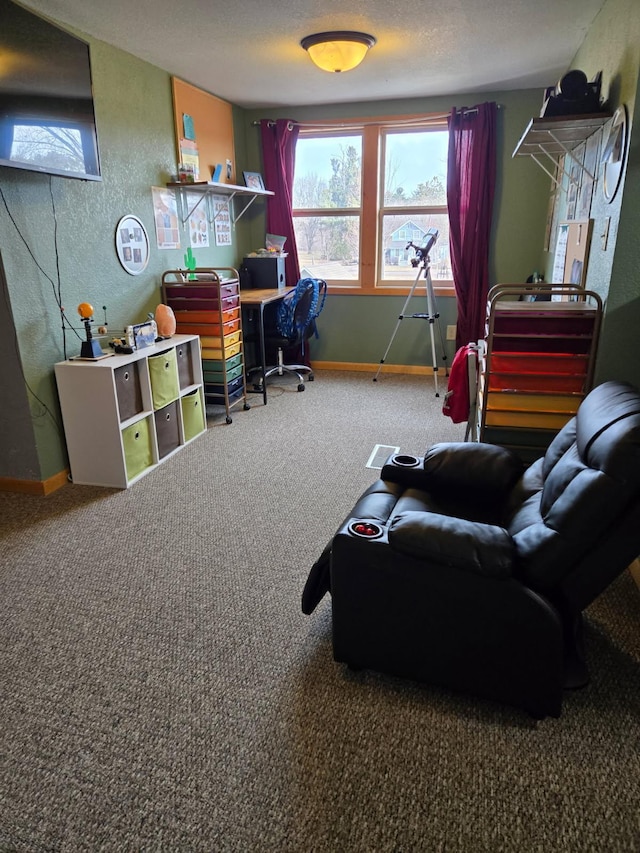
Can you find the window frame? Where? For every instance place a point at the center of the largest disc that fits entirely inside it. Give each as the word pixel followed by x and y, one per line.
pixel 371 213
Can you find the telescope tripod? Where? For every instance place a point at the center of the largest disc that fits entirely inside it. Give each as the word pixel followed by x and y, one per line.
pixel 431 315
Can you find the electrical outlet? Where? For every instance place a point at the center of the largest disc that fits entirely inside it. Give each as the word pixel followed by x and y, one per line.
pixel 451 333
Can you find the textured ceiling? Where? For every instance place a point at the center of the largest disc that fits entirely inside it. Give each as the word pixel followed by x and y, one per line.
pixel 248 51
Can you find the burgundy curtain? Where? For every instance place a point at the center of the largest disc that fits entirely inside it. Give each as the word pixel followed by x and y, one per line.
pixel 471 181
pixel 278 158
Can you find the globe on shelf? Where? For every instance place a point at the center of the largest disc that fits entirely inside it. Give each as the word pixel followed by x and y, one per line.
pixel 90 348
pixel 85 310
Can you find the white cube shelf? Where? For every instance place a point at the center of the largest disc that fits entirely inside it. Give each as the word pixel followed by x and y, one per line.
pixel 126 414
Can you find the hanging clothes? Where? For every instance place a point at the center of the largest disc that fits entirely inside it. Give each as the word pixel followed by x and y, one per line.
pixel 457 399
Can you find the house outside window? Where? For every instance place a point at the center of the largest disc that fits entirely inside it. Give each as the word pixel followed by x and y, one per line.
pixel 362 194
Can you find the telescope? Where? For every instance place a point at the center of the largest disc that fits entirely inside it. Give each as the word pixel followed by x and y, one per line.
pixel 422 252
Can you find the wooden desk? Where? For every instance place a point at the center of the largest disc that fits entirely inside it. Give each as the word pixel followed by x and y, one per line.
pixel 257 300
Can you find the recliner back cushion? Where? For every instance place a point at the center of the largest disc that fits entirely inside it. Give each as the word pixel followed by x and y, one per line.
pixel 559 446
pixel 608 430
pixel 586 486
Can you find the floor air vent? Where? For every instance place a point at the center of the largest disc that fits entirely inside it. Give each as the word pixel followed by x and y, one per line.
pixel 380 454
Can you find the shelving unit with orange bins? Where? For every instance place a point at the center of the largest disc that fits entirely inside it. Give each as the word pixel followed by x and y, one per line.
pixel 536 365
pixel 208 305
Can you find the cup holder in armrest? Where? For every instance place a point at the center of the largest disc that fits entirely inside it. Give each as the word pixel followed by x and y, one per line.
pixel 404 460
pixel 365 529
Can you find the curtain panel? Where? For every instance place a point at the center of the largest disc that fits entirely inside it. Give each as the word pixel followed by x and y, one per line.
pixel 278 158
pixel 471 179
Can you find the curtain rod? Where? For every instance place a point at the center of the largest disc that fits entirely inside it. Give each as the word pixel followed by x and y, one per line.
pixel 356 125
pixel 353 125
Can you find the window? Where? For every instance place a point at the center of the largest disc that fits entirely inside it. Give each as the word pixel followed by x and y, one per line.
pixel 361 196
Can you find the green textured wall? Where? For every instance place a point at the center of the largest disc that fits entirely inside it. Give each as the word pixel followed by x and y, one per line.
pixel 133 105
pixel 135 127
pixel 613 47
pixel 519 216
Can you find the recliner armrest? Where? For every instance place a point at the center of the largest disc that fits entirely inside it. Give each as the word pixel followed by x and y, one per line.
pixel 484 549
pixel 410 475
pixel 470 469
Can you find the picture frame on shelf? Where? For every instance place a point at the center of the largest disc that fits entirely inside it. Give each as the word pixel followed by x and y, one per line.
pixel 253 180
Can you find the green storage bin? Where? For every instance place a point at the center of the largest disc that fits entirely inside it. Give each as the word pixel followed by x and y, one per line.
pixel 163 373
pixel 218 376
pixel 138 452
pixel 192 415
pixel 219 364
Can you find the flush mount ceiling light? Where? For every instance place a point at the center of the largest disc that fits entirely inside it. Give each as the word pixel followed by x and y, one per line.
pixel 340 50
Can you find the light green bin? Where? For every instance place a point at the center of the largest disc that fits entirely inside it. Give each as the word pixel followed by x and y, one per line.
pixel 138 454
pixel 192 414
pixel 163 373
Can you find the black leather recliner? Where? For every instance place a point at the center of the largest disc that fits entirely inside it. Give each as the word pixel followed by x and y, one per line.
pixel 459 569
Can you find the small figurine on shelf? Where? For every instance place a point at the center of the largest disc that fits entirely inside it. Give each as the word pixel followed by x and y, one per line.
pixel 190 264
pixel 90 348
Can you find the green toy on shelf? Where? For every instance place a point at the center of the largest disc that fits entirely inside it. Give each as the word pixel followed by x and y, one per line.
pixel 190 263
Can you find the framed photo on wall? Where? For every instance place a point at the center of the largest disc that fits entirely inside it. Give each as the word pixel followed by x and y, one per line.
pixel 132 244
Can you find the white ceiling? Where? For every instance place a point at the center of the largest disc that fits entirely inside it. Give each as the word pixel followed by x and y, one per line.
pixel 248 51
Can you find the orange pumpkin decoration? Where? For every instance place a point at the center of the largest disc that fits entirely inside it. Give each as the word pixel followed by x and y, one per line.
pixel 165 321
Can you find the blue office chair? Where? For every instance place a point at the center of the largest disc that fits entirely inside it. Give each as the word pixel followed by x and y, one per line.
pixel 293 325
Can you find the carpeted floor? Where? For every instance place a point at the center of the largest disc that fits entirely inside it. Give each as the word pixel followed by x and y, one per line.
pixel 162 691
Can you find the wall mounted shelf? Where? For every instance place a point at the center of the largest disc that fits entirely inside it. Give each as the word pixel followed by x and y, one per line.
pixel 556 136
pixel 206 190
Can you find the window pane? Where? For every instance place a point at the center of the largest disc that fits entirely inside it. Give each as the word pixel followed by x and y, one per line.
pixel 398 231
pixel 327 172
pixel 415 168
pixel 328 246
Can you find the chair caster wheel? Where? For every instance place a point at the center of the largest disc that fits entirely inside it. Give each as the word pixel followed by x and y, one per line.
pixel 311 377
pixel 246 407
pixel 257 388
pixel 229 420
pixel 301 386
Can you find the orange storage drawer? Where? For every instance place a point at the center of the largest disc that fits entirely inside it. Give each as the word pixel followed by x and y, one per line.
pixel 209 329
pixel 216 329
pixel 196 328
pixel 189 319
